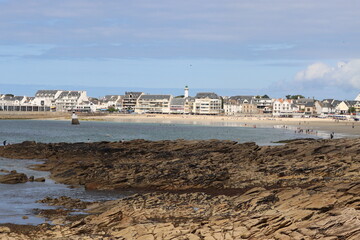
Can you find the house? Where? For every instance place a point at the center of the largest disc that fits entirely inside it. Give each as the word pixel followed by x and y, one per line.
pixel 309 108
pixel 249 107
pixel 114 101
pixel 357 97
pixel 342 108
pixel 325 107
pixel 232 107
pixel 283 107
pixel 207 103
pixel 148 103
pixel 264 105
pixel 130 100
pixel 303 102
pixel 249 104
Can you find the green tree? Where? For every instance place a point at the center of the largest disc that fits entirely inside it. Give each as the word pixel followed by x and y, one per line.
pixel 351 110
pixel 111 109
pixel 294 96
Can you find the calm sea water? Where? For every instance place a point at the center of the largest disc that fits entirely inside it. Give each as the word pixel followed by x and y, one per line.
pixel 15 131
pixel 18 200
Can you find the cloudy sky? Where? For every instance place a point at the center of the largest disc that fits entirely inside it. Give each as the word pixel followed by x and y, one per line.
pixel 275 47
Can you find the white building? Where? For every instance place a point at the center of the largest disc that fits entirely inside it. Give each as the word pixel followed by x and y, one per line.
pixel 232 107
pixel 46 97
pixel 68 100
pixel 153 104
pixel 85 106
pixel 282 107
pixel 325 107
pixel 207 103
pixel 114 101
pixel 357 97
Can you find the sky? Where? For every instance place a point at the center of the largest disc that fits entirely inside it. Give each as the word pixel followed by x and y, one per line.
pixel 231 47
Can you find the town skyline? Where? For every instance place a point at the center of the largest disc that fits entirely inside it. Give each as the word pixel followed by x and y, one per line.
pixel 29 90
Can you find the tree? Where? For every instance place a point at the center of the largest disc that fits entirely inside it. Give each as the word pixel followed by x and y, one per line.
pixel 351 110
pixel 294 96
pixel 111 109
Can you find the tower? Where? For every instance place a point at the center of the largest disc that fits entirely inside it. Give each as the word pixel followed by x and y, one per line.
pixel 186 92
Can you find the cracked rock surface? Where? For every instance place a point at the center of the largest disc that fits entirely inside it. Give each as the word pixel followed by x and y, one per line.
pixel 306 189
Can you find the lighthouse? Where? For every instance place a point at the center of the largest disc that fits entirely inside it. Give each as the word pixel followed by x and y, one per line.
pixel 186 92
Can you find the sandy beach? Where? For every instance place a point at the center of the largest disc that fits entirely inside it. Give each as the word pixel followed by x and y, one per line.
pixel 343 127
pixel 340 128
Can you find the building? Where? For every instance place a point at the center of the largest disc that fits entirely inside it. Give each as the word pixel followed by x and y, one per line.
pixel 130 100
pixel 357 98
pixel 325 107
pixel 207 103
pixel 177 105
pixel 283 107
pixel 232 107
pixel 153 104
pixel 263 104
pixel 114 101
pixel 310 108
pixel 10 102
pixel 86 106
pixel 46 98
pixel 303 102
pixel 186 92
pixel 68 100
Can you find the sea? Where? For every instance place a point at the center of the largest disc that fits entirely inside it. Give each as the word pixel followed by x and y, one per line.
pixel 19 200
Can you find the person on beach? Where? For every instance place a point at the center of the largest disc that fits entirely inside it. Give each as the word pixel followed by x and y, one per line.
pixel 332 135
pixel 4 142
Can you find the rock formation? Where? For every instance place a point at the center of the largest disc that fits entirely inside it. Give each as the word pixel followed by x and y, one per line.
pixel 13 178
pixel 306 189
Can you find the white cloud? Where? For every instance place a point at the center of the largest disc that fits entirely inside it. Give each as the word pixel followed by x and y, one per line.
pixel 345 74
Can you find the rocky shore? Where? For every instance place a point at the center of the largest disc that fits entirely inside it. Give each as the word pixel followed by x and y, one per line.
pixel 306 189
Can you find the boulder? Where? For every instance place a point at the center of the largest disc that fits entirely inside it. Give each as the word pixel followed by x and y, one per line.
pixel 13 178
pixel 42 179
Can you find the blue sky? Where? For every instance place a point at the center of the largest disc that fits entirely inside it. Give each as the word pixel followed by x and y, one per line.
pixel 276 47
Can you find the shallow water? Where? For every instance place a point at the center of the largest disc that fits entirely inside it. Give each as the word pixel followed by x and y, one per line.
pixel 18 200
pixel 15 131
